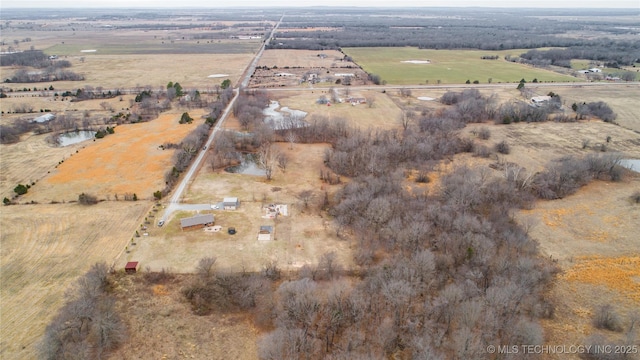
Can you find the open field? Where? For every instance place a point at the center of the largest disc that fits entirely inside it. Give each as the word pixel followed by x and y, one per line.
pixel 44 249
pixel 448 66
pixel 130 71
pixel 300 238
pixel 129 161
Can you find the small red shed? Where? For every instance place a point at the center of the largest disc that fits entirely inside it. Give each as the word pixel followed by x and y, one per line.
pixel 131 267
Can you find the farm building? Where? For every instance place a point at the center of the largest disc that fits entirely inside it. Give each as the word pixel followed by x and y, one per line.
pixel 595 70
pixel 230 203
pixel 265 233
pixel 197 221
pixel 131 267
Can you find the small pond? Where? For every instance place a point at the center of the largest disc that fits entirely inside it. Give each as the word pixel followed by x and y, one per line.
pixel 631 164
pixel 248 166
pixel 285 118
pixel 74 137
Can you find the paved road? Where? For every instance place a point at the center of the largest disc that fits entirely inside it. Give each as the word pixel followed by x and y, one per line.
pixel 174 202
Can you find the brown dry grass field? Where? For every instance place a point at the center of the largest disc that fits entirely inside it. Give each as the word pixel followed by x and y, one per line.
pixel 130 71
pixel 44 249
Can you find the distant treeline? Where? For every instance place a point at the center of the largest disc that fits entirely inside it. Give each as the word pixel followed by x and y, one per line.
pixel 473 30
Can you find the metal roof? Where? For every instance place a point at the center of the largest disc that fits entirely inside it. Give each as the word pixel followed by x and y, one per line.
pixel 197 220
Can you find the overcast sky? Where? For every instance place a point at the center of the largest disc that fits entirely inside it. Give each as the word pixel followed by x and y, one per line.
pixel 293 3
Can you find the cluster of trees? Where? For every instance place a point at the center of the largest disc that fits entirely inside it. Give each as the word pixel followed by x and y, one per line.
pixel 32 58
pixel 599 109
pixel 566 175
pixel 88 325
pixel 443 274
pixel 48 74
pixel 52 70
pixel 248 108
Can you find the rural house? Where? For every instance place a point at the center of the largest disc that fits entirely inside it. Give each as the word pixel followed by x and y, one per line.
pixel 230 203
pixel 197 221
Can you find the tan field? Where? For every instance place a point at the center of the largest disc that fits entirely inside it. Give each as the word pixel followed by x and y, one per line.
pixel 130 71
pixel 44 249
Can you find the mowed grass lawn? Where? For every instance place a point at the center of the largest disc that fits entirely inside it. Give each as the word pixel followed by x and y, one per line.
pixel 448 66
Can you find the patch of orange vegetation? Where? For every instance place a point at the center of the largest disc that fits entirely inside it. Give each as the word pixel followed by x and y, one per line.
pixel 129 161
pixel 159 290
pixel 620 273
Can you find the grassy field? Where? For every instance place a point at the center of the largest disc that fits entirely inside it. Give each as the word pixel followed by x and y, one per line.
pixel 130 71
pixel 448 66
pixel 44 249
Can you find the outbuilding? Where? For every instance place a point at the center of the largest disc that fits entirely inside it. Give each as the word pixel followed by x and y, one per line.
pixel 131 267
pixel 230 203
pixel 265 233
pixel 197 221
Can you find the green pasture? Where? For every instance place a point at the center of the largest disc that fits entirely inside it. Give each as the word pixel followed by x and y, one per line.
pixel 580 64
pixel 448 66
pixel 156 47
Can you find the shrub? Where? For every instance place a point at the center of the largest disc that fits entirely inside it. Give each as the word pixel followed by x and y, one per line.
pixel 87 199
pixel 635 198
pixel 484 133
pixel 606 318
pixel 503 147
pixel 482 151
pixel 6 201
pixel 21 189
pixel 157 195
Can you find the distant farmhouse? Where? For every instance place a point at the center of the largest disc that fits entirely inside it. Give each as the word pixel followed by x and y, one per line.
pixel 196 222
